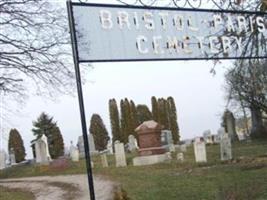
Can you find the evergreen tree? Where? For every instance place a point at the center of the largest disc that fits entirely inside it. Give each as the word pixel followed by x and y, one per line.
pixel 134 119
pixel 99 131
pixel 163 113
pixel 143 113
pixel 45 125
pixel 127 120
pixel 114 120
pixel 155 109
pixel 173 120
pixel 15 144
pixel 123 122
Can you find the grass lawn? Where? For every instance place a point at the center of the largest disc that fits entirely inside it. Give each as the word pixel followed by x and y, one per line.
pixel 12 194
pixel 244 178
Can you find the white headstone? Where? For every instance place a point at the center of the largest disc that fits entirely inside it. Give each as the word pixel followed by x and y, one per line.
pixel 104 160
pixel 66 151
pixel 132 143
pixel 120 155
pixel 109 147
pixel 180 157
pixel 226 148
pixel 183 148
pixel 74 153
pixel 207 137
pixel 168 155
pixel 200 151
pixel 12 158
pixel 241 135
pixel 42 151
pixel 3 158
pixel 91 145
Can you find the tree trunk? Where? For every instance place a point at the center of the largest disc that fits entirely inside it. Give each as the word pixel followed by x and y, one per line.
pixel 257 130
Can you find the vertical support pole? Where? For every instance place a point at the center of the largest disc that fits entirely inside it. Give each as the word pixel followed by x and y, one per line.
pixel 81 103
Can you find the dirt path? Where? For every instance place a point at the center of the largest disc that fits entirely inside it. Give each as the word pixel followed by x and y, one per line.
pixel 71 187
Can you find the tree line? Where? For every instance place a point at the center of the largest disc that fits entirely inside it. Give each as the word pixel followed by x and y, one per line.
pixel 123 123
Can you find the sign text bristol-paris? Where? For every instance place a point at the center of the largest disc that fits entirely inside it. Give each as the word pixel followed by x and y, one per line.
pixel 175 33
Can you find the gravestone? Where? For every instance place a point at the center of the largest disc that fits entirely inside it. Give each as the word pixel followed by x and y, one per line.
pixel 180 157
pixel 66 151
pixel 12 157
pixel 132 143
pixel 230 128
pixel 241 135
pixel 150 147
pixel 183 148
pixel 220 134
pixel 104 160
pixel 226 148
pixel 200 150
pixel 110 147
pixel 168 155
pixel 167 140
pixel 3 158
pixel 149 137
pixel 74 153
pixel 42 151
pixel 166 137
pixel 208 137
pixel 120 154
pixel 91 146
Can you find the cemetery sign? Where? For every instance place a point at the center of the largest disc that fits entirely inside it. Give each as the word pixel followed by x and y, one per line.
pixel 130 33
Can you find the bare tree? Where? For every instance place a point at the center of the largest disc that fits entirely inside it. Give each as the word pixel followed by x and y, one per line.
pixel 247 84
pixel 34 48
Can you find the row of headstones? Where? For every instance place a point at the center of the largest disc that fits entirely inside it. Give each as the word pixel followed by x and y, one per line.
pixel 119 155
pixel 199 151
pixel 225 149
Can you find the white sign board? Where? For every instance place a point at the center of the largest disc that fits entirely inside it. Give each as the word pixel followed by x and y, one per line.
pixel 125 33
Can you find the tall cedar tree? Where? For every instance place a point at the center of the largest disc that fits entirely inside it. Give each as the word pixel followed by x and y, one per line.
pixel 173 119
pixel 163 113
pixel 114 120
pixel 15 143
pixel 99 131
pixel 126 120
pixel 123 122
pixel 46 125
pixel 129 119
pixel 134 118
pixel 155 109
pixel 143 113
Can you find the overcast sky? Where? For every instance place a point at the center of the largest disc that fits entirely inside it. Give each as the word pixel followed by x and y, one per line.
pixel 199 97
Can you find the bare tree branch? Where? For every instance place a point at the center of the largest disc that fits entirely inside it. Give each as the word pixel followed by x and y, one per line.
pixel 34 48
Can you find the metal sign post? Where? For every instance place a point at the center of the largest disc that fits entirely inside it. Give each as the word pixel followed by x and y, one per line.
pixel 81 104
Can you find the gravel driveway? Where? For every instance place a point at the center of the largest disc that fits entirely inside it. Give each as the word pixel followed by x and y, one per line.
pixel 70 187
